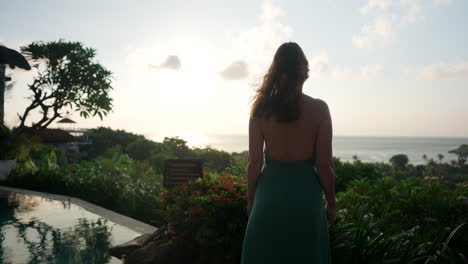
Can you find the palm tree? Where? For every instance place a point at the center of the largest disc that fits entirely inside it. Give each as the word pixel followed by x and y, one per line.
pixel 13 59
pixel 424 156
pixel 440 157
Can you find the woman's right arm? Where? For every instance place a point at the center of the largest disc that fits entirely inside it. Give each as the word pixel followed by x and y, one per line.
pixel 324 160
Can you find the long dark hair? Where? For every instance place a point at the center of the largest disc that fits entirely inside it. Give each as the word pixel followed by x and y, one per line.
pixel 281 89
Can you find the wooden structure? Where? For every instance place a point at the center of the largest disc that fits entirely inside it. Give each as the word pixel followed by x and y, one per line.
pixel 179 171
pixel 66 120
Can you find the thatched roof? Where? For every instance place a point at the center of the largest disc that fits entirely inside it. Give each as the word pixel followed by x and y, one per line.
pixel 13 58
pixel 66 120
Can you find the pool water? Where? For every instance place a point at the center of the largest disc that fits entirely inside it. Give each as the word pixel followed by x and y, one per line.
pixel 38 230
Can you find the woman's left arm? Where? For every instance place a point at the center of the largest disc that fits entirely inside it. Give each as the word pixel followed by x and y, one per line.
pixel 255 160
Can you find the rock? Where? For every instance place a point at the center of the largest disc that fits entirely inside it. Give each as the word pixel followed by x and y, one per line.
pixel 144 247
pixel 155 253
pixel 126 248
pixel 6 166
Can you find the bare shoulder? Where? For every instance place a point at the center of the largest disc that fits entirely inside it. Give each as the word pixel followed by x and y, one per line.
pixel 315 103
pixel 255 122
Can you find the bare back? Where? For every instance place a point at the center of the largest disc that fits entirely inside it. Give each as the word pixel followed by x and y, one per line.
pixel 299 140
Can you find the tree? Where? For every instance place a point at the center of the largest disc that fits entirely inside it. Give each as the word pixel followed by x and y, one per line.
pixel 140 149
pixel 67 79
pixel 399 161
pixel 440 157
pixel 462 154
pixel 177 147
pixel 213 159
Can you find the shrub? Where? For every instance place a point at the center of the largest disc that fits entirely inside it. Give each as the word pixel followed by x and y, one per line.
pixel 407 204
pixel 367 241
pixel 349 171
pixel 207 217
pixel 119 184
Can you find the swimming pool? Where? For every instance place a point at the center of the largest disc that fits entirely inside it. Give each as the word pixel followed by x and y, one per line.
pixel 35 229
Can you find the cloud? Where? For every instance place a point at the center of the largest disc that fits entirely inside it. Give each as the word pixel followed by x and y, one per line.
pixel 257 44
pixel 382 30
pixel 412 12
pixel 390 17
pixel 371 71
pixel 172 62
pixel 318 65
pixel 442 71
pixel 376 4
pixel 366 72
pixel 342 73
pixel 237 70
pixel 442 2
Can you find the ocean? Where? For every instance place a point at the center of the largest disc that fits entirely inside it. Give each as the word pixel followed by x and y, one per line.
pixel 371 149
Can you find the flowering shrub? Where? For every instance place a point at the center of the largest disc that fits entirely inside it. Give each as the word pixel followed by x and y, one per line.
pixel 207 217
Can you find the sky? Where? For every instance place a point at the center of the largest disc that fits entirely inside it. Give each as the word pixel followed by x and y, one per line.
pixel 190 68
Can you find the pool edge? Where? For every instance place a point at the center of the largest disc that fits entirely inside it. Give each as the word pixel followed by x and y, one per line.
pixel 117 218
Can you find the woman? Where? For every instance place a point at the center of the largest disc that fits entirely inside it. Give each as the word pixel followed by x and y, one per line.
pixel 287 218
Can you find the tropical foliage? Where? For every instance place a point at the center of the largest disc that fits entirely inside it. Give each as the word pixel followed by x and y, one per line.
pixel 139 148
pixel 387 212
pixel 113 181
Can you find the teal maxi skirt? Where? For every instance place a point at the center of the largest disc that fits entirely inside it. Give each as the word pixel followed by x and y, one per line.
pixel 288 222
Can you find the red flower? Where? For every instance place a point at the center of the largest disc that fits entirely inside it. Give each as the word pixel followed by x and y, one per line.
pixel 228 184
pixel 195 192
pixel 182 187
pixel 213 187
pixel 222 199
pixel 345 236
pixel 200 210
pixel 182 234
